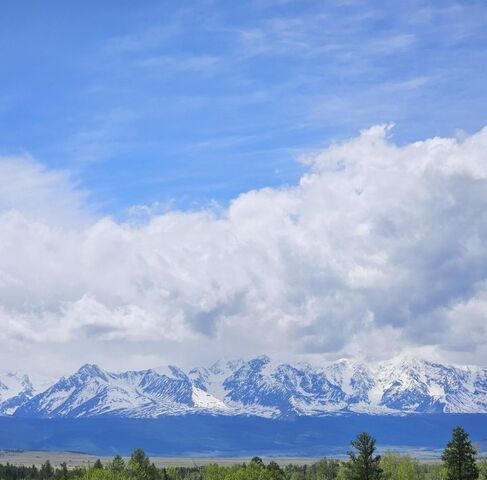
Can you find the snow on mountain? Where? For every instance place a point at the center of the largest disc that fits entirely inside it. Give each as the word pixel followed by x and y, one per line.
pixel 16 389
pixel 205 401
pixel 93 391
pixel 256 387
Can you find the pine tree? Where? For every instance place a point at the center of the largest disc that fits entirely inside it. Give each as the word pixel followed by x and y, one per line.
pixel 64 471
pixel 275 471
pixel 47 471
pixel 258 461
pixel 140 467
pixel 459 457
pixel 34 472
pixel 363 464
pixel 117 465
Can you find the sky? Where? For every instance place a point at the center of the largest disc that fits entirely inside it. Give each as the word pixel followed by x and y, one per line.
pixel 184 181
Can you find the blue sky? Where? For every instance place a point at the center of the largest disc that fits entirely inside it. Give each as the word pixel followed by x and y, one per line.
pixel 181 181
pixel 188 102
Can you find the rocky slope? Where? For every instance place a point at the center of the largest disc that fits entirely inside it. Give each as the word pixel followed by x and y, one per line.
pixel 255 387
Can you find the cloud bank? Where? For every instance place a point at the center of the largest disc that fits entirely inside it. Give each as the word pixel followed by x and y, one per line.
pixel 379 249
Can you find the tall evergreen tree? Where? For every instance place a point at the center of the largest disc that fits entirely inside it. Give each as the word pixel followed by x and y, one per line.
pixel 275 471
pixel 63 472
pixel 163 474
pixel 364 464
pixel 34 472
pixel 140 467
pixel 46 471
pixel 117 465
pixel 459 457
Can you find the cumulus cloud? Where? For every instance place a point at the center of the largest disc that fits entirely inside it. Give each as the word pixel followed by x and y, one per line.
pixel 379 248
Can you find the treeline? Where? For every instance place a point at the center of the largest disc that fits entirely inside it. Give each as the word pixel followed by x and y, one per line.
pixel 459 462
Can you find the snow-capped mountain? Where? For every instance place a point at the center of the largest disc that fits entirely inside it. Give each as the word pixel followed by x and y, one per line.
pixel 16 389
pixel 257 387
pixel 92 391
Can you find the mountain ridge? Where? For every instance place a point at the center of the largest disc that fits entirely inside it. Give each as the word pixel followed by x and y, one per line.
pixel 257 387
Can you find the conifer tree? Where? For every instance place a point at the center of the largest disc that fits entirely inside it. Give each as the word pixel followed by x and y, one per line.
pixel 459 457
pixel 275 471
pixel 364 464
pixel 140 467
pixel 64 471
pixel 46 471
pixel 258 461
pixel 117 465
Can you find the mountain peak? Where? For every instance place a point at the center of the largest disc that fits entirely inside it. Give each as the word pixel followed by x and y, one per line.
pixel 260 360
pixel 92 370
pixel 225 365
pixel 170 371
pixel 259 387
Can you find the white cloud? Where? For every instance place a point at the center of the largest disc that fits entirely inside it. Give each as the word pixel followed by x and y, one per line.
pixel 41 194
pixel 379 248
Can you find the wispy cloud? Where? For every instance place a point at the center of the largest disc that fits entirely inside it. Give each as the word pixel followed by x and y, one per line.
pixel 171 65
pixel 148 39
pixel 101 137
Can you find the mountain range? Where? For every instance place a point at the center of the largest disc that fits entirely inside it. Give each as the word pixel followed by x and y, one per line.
pixel 257 387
